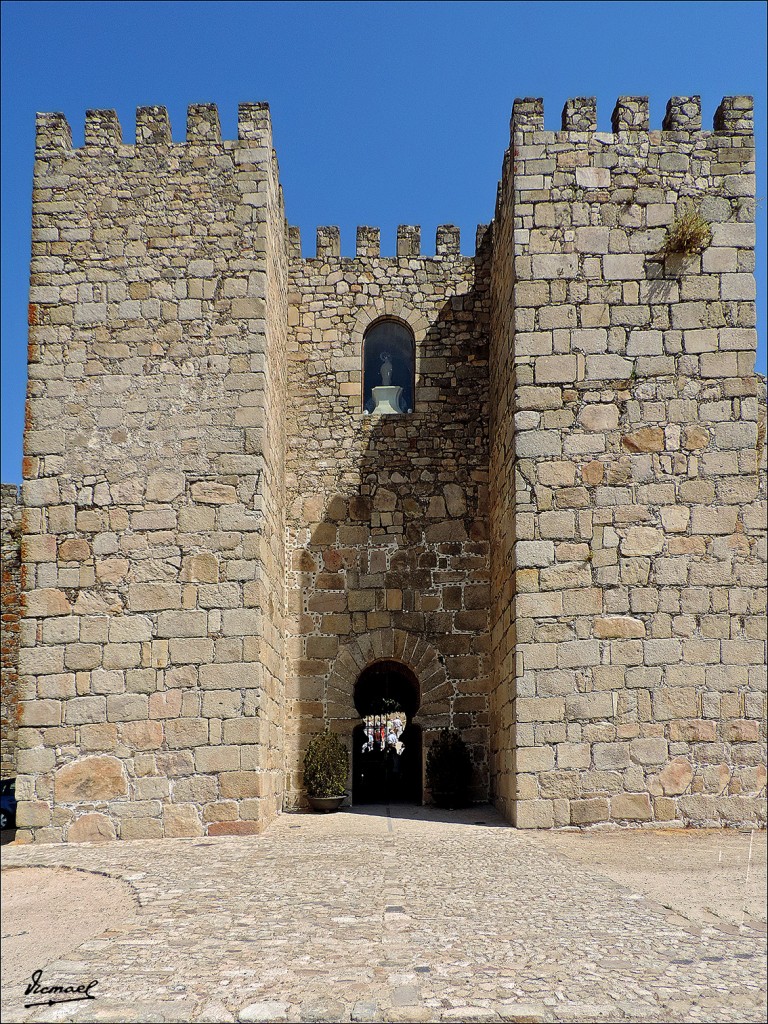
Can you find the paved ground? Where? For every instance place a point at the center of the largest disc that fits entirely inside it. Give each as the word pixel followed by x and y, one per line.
pixel 404 916
pixel 48 912
pixel 714 877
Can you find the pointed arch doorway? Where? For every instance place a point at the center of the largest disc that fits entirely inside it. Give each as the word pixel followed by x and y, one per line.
pixel 386 745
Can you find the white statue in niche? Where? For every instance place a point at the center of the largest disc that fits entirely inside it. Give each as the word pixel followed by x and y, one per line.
pixel 386 395
pixel 386 369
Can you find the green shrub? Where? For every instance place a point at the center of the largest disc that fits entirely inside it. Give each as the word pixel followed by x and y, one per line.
pixel 449 770
pixel 326 766
pixel 688 233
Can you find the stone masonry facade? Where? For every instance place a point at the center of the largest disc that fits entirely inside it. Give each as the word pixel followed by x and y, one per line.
pixel 10 509
pixel 563 543
pixel 627 472
pixel 387 515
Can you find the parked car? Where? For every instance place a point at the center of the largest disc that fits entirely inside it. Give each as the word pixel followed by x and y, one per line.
pixel 8 803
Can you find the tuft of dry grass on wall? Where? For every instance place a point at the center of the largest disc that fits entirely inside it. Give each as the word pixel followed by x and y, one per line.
pixel 688 233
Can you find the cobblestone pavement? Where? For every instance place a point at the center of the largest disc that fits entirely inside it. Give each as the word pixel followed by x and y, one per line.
pixel 396 916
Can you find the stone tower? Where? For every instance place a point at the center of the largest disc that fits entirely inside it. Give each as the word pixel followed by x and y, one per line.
pixel 627 510
pixel 557 546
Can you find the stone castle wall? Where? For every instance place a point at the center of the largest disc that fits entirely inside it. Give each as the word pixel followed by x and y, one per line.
pixel 387 515
pixel 10 509
pixel 152 646
pixel 628 474
pixel 563 542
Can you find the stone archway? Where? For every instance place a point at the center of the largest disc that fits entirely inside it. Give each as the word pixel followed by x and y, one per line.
pixel 419 656
pixel 390 308
pixel 419 660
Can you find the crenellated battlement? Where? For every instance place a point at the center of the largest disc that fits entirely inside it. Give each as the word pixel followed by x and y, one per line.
pixel 153 129
pixel 579 114
pixel 683 114
pixel 733 116
pixel 102 129
pixel 368 242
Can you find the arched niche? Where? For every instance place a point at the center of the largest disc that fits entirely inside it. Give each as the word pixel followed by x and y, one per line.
pixel 389 359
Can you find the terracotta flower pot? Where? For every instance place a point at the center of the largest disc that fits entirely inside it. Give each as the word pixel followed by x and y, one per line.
pixel 326 803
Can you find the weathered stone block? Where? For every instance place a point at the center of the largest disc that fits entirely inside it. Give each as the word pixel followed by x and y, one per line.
pixel 182 624
pixel 535 759
pixel 33 814
pixel 591 239
pixel 217 759
pixel 599 417
pixel 607 367
pixel 164 485
pixel 619 626
pixel 142 735
pixel 631 807
pixel 208 492
pixel 186 732
pixel 150 597
pixel 646 439
pixel 586 812
pixel 200 568
pixel 676 777
pixel 611 755
pixel 46 602
pixel 578 654
pixel 181 820
pixel 556 369
pixel 623 268
pixel 141 828
pixel 534 553
pixel 91 828
pixel 236 785
pixel 539 605
pixel 573 755
pixel 565 265
pixel 588 706
pixel 650 750
pixel 80 710
pixel 680 702
pixel 534 814
pixel 117 656
pixel 539 709
pixel 90 779
pixel 642 540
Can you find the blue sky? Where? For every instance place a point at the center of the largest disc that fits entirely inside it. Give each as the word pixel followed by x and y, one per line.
pixel 383 113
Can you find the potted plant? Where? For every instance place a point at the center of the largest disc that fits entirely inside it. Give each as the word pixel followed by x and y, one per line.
pixel 326 767
pixel 449 770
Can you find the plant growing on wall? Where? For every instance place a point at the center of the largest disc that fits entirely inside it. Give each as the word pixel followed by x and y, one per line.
pixel 449 770
pixel 326 766
pixel 688 233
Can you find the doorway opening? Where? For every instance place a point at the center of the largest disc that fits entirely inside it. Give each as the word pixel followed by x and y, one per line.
pixel 386 745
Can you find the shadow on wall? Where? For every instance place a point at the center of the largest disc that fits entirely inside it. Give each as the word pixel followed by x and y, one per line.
pixel 398 568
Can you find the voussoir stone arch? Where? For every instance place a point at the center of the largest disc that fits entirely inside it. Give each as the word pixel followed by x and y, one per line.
pixel 396 645
pixel 389 308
